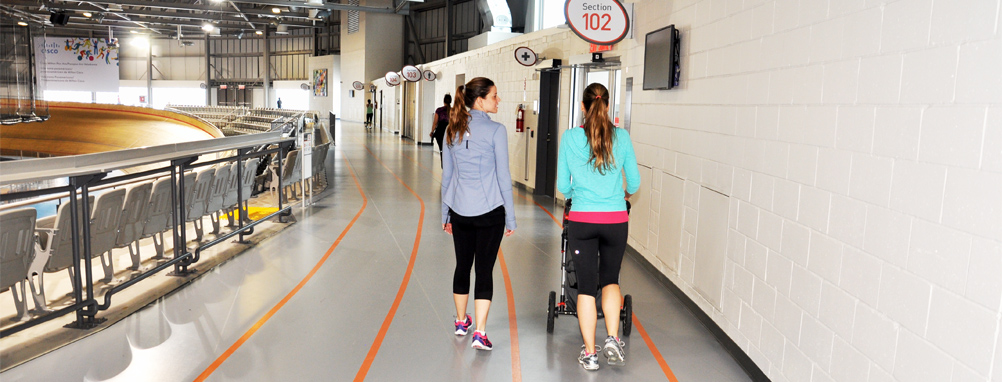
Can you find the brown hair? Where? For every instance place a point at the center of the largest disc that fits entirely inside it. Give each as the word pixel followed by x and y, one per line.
pixel 459 117
pixel 598 128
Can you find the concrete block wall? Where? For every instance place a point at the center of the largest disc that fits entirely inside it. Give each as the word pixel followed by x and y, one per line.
pixel 857 145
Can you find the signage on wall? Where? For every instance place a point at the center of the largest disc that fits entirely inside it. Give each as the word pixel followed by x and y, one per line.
pixel 392 78
pixel 600 22
pixel 525 56
pixel 411 73
pixel 78 63
pixel 430 75
pixel 357 85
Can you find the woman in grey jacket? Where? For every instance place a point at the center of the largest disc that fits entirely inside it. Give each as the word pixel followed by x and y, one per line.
pixel 477 204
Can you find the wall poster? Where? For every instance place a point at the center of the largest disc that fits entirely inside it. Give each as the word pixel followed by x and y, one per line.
pixel 80 64
pixel 320 82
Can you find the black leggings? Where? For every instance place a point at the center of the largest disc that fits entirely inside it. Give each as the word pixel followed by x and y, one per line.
pixel 477 240
pixel 597 250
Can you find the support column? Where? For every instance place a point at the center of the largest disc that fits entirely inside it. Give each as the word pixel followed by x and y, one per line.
pixel 149 73
pixel 208 73
pixel 267 70
pixel 448 28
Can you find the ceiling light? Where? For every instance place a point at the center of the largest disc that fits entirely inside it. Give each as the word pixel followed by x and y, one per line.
pixel 88 14
pixel 259 32
pixel 99 17
pixel 276 10
pixel 315 2
pixel 22 23
pixel 208 27
pixel 133 31
pixel 140 41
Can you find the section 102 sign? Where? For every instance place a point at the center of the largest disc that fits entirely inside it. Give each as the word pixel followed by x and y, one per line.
pixel 600 22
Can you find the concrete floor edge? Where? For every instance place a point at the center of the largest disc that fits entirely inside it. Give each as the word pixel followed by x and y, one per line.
pixel 732 348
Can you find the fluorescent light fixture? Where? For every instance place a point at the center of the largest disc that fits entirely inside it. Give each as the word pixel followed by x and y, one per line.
pixel 315 2
pixel 133 31
pixel 208 27
pixel 88 14
pixel 140 41
pixel 276 10
pixel 22 23
pixel 259 32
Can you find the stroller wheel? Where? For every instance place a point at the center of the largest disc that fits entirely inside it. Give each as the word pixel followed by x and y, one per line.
pixel 627 315
pixel 551 312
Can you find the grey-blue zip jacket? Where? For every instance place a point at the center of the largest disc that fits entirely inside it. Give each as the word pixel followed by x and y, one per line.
pixel 475 174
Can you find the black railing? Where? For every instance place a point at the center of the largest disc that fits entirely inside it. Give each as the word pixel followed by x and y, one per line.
pixel 85 303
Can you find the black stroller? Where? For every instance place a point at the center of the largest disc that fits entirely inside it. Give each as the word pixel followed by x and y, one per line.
pixel 569 288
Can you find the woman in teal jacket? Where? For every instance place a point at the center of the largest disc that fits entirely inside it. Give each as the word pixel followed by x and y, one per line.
pixel 590 166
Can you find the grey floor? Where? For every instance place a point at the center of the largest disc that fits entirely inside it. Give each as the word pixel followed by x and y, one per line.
pixel 327 328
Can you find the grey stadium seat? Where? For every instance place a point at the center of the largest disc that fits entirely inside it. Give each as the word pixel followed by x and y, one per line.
pixel 135 213
pixel 17 247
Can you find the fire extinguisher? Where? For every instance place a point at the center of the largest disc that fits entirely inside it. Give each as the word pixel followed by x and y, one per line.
pixel 520 119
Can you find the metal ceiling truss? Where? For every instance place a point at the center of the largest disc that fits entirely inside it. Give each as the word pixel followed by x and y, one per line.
pixel 162 16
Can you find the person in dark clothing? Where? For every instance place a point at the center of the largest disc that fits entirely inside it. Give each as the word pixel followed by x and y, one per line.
pixel 279 102
pixel 441 122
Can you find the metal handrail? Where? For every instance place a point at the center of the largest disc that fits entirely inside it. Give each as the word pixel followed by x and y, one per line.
pixel 83 173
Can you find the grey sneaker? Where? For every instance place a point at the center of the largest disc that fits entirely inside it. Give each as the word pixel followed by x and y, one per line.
pixel 588 361
pixel 615 352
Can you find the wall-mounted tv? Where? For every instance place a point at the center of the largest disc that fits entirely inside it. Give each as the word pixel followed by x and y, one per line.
pixel 661 59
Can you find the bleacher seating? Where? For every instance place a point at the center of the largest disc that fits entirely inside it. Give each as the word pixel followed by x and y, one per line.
pixel 17 240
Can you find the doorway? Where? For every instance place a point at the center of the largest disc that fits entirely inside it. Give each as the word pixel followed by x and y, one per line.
pixel 548 132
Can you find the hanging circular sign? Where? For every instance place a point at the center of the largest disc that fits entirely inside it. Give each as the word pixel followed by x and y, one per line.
pixel 411 73
pixel 430 75
pixel 392 78
pixel 358 85
pixel 525 56
pixel 600 22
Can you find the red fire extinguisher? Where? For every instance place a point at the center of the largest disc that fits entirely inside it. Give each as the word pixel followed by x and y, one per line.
pixel 520 119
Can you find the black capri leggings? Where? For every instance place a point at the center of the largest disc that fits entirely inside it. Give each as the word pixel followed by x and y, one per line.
pixel 597 250
pixel 477 240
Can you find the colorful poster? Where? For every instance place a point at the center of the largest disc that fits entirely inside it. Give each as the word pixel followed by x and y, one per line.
pixel 320 82
pixel 80 64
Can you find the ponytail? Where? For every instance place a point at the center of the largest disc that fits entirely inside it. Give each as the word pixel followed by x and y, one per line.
pixel 598 128
pixel 459 117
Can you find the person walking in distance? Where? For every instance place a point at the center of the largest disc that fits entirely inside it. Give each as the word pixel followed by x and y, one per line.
pixel 590 167
pixel 279 102
pixel 440 122
pixel 368 113
pixel 477 204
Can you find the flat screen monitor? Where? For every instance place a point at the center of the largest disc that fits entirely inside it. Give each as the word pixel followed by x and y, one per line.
pixel 661 59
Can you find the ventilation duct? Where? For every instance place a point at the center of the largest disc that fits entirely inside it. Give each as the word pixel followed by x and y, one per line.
pixel 496 15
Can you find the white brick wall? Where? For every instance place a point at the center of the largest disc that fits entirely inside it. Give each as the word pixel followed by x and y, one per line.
pixel 860 143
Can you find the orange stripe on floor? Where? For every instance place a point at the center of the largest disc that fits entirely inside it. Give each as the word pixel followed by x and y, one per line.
pixel 636 321
pixel 555 220
pixel 654 350
pixel 516 362
pixel 374 349
pixel 260 322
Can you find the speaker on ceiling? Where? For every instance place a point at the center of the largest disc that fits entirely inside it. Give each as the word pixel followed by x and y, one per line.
pixel 59 18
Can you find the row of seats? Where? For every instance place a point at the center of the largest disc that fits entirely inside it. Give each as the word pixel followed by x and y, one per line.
pixel 120 218
pixel 292 173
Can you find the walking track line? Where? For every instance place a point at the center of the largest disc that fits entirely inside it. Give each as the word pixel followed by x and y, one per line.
pixel 516 362
pixel 374 349
pixel 260 322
